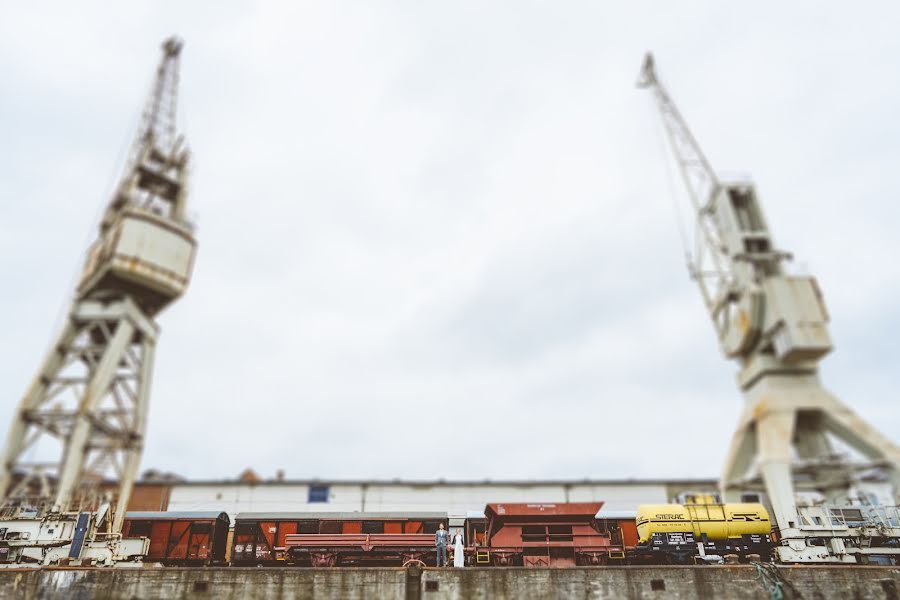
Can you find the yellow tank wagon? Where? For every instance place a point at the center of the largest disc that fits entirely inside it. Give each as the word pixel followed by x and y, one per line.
pixel 678 532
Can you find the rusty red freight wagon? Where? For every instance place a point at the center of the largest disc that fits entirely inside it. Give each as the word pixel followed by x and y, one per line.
pixel 334 539
pixel 554 535
pixel 181 538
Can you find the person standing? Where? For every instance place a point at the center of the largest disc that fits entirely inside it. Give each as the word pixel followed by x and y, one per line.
pixel 441 537
pixel 459 557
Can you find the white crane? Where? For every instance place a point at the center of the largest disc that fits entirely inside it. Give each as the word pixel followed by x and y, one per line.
pixel 80 425
pixel 774 325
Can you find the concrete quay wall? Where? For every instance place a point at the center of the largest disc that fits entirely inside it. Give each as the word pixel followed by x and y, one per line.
pixel 638 583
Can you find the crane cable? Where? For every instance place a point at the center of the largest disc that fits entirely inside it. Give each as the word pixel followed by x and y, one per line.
pixel 670 181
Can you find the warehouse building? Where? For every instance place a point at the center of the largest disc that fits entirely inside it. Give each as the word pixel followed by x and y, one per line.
pixel 249 493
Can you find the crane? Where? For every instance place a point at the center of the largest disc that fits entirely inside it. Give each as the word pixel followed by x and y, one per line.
pixel 774 324
pixel 79 428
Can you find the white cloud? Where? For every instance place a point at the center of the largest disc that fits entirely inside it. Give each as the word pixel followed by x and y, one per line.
pixel 425 223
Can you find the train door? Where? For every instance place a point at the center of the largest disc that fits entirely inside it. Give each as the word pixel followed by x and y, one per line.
pixel 159 539
pixel 266 534
pixel 199 540
pixel 245 540
pixel 281 532
pixel 179 540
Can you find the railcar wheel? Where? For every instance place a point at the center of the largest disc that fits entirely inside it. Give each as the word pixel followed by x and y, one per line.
pixel 323 559
pixel 414 561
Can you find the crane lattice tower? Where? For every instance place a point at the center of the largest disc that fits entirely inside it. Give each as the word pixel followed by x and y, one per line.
pixel 81 421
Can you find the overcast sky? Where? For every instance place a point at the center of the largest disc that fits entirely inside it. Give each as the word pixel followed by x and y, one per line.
pixel 437 239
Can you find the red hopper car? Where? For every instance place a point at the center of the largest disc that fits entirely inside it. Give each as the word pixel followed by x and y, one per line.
pixel 554 535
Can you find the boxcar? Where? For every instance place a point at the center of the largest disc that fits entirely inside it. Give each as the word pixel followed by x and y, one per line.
pixel 181 538
pixel 336 538
pixel 553 535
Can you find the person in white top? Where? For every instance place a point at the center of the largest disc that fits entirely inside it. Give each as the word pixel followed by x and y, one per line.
pixel 458 552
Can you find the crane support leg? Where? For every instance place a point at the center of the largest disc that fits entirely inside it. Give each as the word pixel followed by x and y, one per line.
pixel 90 396
pixel 867 440
pixel 739 459
pixel 134 450
pixel 18 438
pixel 787 426
pixel 774 431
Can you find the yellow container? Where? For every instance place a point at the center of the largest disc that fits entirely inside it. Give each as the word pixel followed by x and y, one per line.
pixel 717 521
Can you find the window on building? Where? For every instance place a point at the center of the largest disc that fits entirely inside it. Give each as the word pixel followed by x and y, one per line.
pixel 318 493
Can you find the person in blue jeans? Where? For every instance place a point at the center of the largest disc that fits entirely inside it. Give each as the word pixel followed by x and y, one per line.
pixel 441 537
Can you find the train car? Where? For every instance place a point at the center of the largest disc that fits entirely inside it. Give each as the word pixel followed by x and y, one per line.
pixel 475 535
pixel 181 538
pixel 552 535
pixel 621 527
pixel 335 539
pixel 353 539
pixel 697 533
pixel 258 537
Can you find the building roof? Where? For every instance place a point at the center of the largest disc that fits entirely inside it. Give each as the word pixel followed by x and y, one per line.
pixel 454 483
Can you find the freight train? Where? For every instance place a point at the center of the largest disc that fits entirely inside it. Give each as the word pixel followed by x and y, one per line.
pixel 514 534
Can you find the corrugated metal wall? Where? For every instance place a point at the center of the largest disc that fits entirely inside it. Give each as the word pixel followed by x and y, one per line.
pixel 456 499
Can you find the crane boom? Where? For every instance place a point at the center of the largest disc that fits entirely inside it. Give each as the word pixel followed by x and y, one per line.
pixel 706 261
pixel 775 326
pixel 732 248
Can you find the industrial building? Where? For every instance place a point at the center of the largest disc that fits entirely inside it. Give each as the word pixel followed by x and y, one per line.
pixel 454 497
